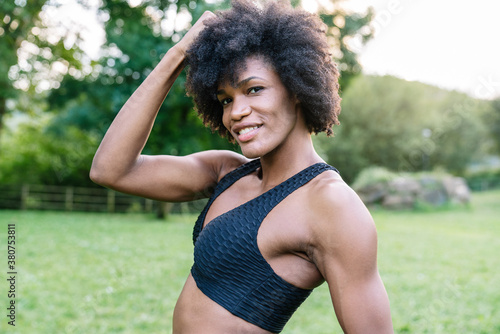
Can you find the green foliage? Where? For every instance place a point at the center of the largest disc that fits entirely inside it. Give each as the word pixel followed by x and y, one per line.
pixel 41 55
pixel 16 20
pixel 492 119
pixel 136 41
pixel 102 273
pixel 31 44
pixel 483 179
pixel 31 154
pixel 405 126
pixel 346 33
pixel 373 175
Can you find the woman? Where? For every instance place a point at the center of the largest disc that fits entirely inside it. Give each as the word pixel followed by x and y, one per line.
pixel 279 221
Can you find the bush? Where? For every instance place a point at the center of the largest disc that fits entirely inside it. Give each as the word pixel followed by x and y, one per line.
pixel 31 154
pixel 405 127
pixel 373 175
pixel 483 179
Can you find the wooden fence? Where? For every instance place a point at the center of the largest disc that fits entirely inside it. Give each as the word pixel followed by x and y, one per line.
pixel 63 198
pixel 98 199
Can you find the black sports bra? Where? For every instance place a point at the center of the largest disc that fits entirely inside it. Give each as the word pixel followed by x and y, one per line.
pixel 228 265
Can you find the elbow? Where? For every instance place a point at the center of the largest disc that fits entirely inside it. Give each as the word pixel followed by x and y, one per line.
pixel 108 173
pixel 96 176
pixel 99 176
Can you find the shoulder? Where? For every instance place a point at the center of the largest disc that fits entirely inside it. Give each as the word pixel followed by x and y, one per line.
pixel 342 229
pixel 223 161
pixel 330 195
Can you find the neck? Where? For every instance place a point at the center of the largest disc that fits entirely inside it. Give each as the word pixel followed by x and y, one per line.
pixel 287 160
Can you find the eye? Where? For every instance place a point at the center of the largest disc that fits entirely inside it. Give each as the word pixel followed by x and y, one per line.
pixel 225 101
pixel 254 90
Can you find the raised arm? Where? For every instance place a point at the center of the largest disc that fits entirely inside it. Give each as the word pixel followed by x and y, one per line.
pixel 118 163
pixel 345 251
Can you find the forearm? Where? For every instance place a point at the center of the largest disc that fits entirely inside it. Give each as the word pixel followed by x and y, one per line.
pixel 121 147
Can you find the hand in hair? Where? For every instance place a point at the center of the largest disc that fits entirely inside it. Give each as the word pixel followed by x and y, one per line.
pixel 188 39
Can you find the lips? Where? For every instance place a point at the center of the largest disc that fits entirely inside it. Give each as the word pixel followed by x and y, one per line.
pixel 246 132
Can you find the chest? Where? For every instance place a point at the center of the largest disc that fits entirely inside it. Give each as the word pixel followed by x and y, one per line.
pixel 280 227
pixel 265 231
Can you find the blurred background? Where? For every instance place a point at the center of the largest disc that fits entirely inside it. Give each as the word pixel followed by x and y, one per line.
pixel 419 133
pixel 420 85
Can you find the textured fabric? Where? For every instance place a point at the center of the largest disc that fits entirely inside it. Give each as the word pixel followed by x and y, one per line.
pixel 228 265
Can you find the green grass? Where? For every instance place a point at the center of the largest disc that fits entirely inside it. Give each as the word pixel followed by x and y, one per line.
pixel 99 273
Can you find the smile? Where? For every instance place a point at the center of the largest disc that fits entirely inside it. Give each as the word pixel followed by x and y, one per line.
pixel 247 130
pixel 247 133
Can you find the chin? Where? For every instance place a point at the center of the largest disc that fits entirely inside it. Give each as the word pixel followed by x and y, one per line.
pixel 250 154
pixel 254 151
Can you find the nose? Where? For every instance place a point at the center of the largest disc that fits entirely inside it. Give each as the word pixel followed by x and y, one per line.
pixel 239 109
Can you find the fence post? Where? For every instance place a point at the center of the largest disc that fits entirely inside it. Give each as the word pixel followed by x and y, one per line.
pixel 148 205
pixel 25 192
pixel 68 203
pixel 184 208
pixel 111 200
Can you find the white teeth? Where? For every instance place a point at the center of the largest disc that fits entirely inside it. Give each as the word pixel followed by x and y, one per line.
pixel 246 130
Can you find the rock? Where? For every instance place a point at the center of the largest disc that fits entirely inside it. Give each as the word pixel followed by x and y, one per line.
pixel 373 193
pixel 457 189
pixel 398 201
pixel 433 191
pixel 401 193
pixel 404 185
pixel 405 192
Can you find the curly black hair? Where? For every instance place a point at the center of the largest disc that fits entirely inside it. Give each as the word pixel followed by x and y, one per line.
pixel 291 39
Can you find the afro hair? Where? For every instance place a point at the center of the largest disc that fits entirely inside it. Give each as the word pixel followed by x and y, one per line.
pixel 292 40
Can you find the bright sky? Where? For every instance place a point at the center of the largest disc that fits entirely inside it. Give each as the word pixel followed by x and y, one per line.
pixel 454 44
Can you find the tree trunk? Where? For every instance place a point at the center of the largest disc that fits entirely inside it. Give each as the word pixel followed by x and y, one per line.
pixel 163 210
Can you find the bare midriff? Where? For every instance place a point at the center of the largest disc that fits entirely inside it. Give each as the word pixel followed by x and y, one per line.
pixel 195 313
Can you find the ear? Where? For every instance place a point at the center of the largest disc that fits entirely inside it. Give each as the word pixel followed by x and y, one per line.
pixel 297 103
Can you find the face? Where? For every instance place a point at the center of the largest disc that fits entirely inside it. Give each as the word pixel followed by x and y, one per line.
pixel 258 110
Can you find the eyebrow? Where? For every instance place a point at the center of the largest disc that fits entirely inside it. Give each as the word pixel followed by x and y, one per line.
pixel 239 84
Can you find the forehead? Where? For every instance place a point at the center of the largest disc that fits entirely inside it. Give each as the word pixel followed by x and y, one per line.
pixel 253 66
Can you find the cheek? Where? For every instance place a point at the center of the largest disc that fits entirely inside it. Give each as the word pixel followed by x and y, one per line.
pixel 225 120
pixel 288 116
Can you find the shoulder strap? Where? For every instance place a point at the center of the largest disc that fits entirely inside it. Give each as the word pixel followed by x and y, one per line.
pixel 274 196
pixel 223 184
pixel 234 175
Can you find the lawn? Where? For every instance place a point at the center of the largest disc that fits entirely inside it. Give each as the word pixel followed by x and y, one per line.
pixel 100 273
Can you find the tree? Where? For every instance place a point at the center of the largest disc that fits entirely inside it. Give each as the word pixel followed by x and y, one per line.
pixel 405 126
pixel 346 33
pixel 31 154
pixel 493 121
pixel 44 67
pixel 35 51
pixel 16 22
pixel 137 38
